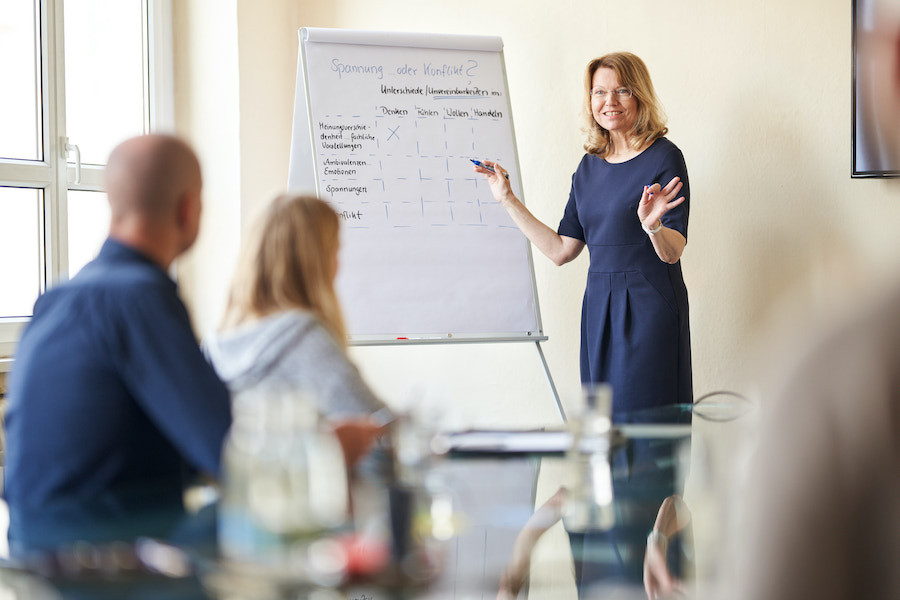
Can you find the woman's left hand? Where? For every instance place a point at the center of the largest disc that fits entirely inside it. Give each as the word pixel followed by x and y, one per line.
pixel 657 201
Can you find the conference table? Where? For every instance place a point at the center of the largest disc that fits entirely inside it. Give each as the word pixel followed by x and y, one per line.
pixel 589 542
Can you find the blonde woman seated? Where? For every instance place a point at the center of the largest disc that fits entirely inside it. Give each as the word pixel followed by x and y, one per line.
pixel 283 325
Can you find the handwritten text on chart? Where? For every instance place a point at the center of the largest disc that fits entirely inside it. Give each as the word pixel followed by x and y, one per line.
pixel 438 93
pixel 466 69
pixel 346 189
pixel 394 151
pixel 390 111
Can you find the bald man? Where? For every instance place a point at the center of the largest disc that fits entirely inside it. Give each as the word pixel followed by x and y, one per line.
pixel 111 401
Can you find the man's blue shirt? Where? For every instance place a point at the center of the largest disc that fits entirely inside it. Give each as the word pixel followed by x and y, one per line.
pixel 110 396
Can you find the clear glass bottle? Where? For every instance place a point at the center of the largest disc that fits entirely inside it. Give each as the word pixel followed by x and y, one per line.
pixel 590 500
pixel 596 417
pixel 284 482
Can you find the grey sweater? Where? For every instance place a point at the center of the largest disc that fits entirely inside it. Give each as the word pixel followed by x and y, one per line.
pixel 292 349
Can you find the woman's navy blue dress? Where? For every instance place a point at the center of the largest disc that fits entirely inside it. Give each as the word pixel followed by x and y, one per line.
pixel 635 333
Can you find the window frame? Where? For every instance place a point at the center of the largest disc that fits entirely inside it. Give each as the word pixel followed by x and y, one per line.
pixel 54 174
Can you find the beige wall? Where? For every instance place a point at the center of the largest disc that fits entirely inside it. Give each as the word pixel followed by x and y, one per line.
pixel 758 96
pixel 234 65
pixel 267 43
pixel 207 113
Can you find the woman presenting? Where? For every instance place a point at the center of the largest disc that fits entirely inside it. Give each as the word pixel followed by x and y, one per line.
pixel 634 321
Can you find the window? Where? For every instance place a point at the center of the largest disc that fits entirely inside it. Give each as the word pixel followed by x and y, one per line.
pixel 20 117
pixel 88 215
pixel 20 249
pixel 78 76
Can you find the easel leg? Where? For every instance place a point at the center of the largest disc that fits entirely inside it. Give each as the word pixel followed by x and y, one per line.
pixel 559 406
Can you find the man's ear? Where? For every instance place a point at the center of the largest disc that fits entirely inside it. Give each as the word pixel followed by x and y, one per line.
pixel 896 59
pixel 183 210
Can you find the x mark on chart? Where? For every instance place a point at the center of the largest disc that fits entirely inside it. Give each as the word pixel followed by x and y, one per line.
pixel 393 133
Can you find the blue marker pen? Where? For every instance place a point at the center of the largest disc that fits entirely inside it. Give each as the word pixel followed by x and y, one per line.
pixel 478 163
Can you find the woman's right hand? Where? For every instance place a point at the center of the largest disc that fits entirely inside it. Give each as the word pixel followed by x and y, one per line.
pixel 357 436
pixel 558 248
pixel 498 180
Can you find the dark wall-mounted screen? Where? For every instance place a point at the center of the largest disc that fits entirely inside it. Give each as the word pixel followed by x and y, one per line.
pixel 876 88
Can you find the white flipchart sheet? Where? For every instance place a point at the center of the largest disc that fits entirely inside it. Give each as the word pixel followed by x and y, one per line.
pixel 385 126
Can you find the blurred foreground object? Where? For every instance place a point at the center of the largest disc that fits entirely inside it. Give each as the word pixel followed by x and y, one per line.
pixel 823 502
pixel 284 487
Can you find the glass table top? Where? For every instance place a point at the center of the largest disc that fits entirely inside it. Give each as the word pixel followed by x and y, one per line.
pixel 519 525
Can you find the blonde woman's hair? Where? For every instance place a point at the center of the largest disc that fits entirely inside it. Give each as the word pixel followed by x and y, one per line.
pixel 288 263
pixel 632 73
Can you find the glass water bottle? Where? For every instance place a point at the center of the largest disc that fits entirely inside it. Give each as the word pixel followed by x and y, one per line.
pixel 284 482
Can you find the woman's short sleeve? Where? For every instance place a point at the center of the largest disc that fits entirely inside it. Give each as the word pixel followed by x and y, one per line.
pixel 570 225
pixel 673 165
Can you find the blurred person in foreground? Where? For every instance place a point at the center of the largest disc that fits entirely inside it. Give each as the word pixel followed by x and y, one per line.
pixel 112 403
pixel 822 512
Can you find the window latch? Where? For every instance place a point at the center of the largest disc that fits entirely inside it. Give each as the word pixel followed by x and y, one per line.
pixel 74 148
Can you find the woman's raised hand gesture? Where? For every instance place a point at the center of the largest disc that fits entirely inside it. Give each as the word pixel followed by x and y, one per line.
pixel 656 202
pixel 498 179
